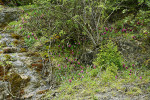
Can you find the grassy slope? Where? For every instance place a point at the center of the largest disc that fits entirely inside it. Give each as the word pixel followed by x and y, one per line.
pixel 94 86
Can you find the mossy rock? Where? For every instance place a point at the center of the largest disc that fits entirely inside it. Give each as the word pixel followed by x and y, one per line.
pixel 1 72
pixel 23 50
pixel 18 82
pixel 7 67
pixel 9 50
pixel 16 42
pixel 35 54
pixel 16 36
pixel 7 56
pixel 37 66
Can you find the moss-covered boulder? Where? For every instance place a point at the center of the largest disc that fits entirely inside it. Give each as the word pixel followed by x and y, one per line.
pixel 9 50
pixel 7 15
pixel 17 82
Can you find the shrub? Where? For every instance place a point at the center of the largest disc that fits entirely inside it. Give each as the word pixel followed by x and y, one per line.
pixel 107 55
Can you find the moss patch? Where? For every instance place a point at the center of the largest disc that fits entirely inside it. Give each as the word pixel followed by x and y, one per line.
pixel 17 83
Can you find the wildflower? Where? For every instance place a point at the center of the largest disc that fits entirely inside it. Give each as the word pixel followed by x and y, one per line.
pixel 78 63
pixel 123 65
pixel 75 60
pixel 104 32
pixel 79 43
pixel 59 68
pixel 59 55
pixel 28 36
pixel 130 30
pixel 65 66
pixel 20 27
pixel 126 67
pixel 36 38
pixel 80 66
pixel 129 73
pixel 112 28
pixel 69 60
pixel 66 58
pixel 130 70
pixel 72 52
pixel 115 77
pixel 133 37
pixel 69 45
pixel 122 30
pixel 106 28
pixel 42 15
pixel 58 65
pixel 81 71
pixel 140 77
pixel 62 47
pixel 133 65
pixel 58 45
pixel 32 33
pixel 82 76
pixel 70 80
pixel 138 23
pixel 94 67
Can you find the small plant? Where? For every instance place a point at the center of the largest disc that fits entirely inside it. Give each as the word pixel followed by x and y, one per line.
pixel 107 55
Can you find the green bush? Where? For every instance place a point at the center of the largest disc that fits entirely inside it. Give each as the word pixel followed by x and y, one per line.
pixel 107 55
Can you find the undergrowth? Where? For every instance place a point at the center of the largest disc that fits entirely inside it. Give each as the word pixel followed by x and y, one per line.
pixel 63 40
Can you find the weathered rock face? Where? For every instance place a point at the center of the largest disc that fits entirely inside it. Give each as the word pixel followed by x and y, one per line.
pixel 23 71
pixel 7 15
pixel 9 50
pixel 133 50
pixel 17 81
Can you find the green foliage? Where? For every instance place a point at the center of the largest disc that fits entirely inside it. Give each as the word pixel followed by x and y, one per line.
pixel 108 55
pixel 111 72
pixel 17 2
pixel 29 38
pixel 94 72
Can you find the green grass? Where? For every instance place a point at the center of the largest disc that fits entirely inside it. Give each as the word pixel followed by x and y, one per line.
pixel 90 86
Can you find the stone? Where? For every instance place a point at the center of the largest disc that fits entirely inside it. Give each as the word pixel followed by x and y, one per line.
pixel 18 64
pixel 133 50
pixel 17 82
pixel 9 50
pixel 24 77
pixel 7 15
